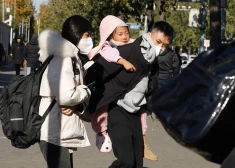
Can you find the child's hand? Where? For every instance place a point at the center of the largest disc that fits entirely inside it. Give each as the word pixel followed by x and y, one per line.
pixel 127 65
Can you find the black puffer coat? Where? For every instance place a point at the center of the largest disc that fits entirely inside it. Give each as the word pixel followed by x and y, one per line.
pixel 17 51
pixel 31 53
pixel 118 80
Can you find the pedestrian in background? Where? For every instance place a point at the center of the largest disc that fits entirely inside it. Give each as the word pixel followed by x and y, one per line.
pixel 168 62
pixel 177 51
pixel 169 66
pixel 17 53
pixel 25 42
pixel 31 54
pixel 2 53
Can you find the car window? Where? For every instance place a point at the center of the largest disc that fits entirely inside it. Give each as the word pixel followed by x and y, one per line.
pixel 184 58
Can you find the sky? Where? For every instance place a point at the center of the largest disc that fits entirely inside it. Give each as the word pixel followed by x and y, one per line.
pixel 37 3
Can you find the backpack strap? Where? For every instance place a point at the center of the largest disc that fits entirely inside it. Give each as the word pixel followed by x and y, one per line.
pixel 48 109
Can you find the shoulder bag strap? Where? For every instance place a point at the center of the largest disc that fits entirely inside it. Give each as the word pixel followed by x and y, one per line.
pixel 49 109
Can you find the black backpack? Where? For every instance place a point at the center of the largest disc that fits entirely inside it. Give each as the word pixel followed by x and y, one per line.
pixel 19 108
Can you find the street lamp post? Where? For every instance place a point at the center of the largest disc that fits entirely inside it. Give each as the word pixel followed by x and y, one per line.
pixel 203 25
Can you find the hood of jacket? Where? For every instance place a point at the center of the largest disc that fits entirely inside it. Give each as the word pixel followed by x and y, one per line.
pixel 52 43
pixel 33 41
pixel 106 29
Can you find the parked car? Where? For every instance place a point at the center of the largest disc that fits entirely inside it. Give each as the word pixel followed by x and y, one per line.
pixel 192 57
pixel 185 61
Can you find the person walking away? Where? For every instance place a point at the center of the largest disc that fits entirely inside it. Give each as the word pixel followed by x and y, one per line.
pixel 31 54
pixel 63 80
pixel 17 54
pixel 2 53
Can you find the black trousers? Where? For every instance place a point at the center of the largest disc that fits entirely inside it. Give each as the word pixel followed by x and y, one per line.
pixel 162 82
pixel 1 63
pixel 17 68
pixel 125 131
pixel 56 156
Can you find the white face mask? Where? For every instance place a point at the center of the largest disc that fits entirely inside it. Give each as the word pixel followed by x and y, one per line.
pixel 85 45
pixel 158 50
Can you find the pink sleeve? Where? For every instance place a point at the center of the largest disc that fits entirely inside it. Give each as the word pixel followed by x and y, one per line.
pixel 99 119
pixel 110 54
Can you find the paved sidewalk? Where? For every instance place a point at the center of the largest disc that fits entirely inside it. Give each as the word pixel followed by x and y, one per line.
pixel 171 154
pixel 7 72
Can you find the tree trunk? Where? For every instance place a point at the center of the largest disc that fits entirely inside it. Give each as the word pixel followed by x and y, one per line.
pixel 161 14
pixel 215 23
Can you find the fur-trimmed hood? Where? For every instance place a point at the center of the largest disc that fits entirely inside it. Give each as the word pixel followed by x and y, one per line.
pixel 51 42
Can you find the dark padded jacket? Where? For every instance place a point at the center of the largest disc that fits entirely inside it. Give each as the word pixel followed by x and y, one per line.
pixel 17 51
pixel 169 65
pixel 31 53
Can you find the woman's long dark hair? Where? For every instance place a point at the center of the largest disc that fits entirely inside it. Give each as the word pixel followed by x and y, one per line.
pixel 74 27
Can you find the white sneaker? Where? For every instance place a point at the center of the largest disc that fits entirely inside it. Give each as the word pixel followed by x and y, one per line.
pixel 103 143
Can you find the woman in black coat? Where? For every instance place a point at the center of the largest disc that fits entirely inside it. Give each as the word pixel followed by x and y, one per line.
pixel 31 54
pixel 17 53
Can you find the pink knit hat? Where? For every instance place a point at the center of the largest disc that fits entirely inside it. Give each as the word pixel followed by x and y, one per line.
pixel 107 26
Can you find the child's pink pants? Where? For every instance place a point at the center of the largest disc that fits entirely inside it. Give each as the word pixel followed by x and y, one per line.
pixel 100 117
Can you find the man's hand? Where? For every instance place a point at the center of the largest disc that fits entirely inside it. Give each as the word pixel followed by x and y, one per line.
pixel 67 110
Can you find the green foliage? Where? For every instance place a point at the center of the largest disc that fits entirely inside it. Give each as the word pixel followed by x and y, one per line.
pixel 54 14
pixel 186 37
pixel 230 19
pixel 125 9
pixel 56 11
